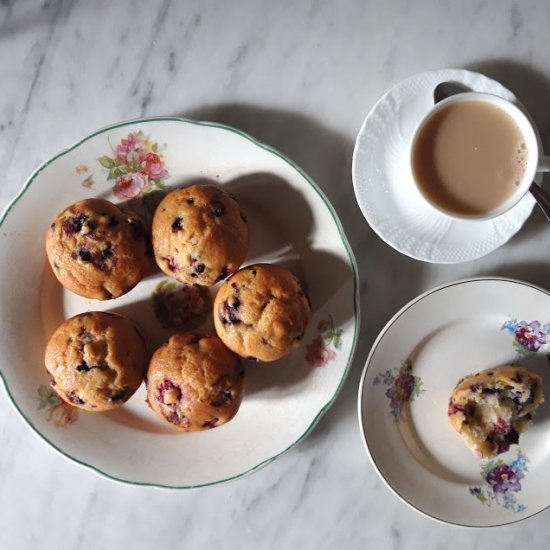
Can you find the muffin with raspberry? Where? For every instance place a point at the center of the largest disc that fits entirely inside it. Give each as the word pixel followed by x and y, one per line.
pixel 491 408
pixel 96 250
pixel 200 235
pixel 194 382
pixel 96 360
pixel 262 312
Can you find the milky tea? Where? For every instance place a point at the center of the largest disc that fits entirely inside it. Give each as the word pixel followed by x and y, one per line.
pixel 469 158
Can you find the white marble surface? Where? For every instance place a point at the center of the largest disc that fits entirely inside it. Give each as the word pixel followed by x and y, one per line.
pixel 299 76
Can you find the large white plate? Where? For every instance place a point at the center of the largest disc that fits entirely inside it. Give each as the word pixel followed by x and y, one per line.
pixel 416 361
pixel 291 223
pixel 384 186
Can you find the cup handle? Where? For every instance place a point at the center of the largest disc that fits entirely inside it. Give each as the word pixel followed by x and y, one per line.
pixel 543 164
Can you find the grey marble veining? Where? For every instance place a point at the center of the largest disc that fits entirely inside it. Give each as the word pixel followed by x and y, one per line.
pixel 299 76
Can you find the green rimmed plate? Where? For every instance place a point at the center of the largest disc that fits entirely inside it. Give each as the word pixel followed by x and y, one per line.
pixel 292 223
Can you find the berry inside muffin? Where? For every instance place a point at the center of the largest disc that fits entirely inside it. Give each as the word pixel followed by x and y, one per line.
pixel 491 408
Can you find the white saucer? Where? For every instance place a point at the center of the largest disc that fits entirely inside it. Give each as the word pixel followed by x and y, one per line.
pixel 385 189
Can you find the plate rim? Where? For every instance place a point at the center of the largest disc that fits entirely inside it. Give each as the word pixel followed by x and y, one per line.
pixel 372 351
pixel 352 261
pixel 355 154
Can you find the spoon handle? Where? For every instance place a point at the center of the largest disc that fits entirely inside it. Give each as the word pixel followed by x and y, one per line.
pixel 542 197
pixel 543 164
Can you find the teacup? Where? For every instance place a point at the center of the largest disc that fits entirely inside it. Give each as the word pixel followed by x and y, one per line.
pixel 475 155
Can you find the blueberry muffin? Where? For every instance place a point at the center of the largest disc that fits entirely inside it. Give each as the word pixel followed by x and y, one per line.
pixel 200 235
pixel 261 312
pixel 96 250
pixel 491 408
pixel 194 382
pixel 96 360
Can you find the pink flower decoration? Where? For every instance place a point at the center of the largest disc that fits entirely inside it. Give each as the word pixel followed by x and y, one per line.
pixel 154 167
pixel 130 186
pixel 88 183
pixel 131 143
pixel 317 354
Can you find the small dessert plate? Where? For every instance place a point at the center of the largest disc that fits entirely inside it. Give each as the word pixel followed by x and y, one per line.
pixel 415 363
pixel 384 186
pixel 291 223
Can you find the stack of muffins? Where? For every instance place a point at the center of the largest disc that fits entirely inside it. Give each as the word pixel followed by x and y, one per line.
pixel 199 236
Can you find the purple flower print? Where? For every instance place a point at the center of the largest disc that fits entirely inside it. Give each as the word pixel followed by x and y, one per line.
pixel 402 390
pixel 403 387
pixel 502 483
pixel 503 478
pixel 530 335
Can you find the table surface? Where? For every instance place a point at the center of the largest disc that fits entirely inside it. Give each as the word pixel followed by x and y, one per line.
pixel 299 76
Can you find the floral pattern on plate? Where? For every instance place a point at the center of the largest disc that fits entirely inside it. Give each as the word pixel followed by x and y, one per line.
pixel 528 337
pixel 319 352
pixel 136 165
pixel 88 181
pixel 403 387
pixel 57 411
pixel 175 304
pixel 502 483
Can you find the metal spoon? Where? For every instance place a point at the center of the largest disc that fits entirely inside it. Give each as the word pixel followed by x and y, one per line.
pixel 447 89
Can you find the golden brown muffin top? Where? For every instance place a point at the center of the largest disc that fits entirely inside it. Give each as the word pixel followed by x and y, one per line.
pixel 96 360
pixel 194 382
pixel 200 235
pixel 261 312
pixel 96 250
